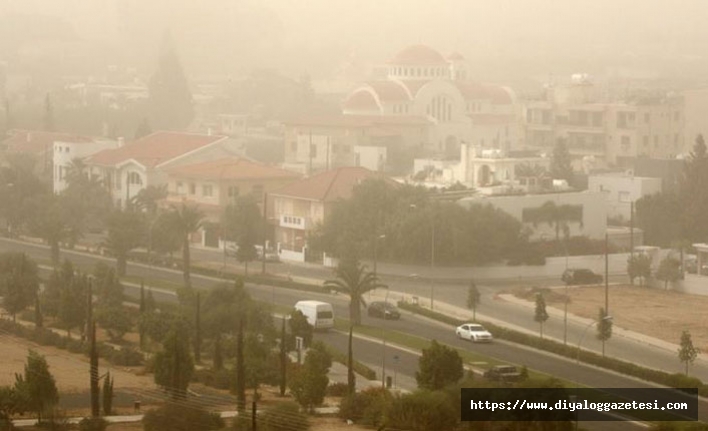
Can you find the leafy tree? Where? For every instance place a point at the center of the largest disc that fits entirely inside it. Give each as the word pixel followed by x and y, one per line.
pixel 474 298
pixel 37 385
pixel 115 320
pixel 656 217
pixel 20 187
pixel 163 239
pixel 309 384
pixel 148 199
pixel 107 285
pixel 174 365
pixel 438 367
pixel 604 328
pixel 126 231
pixel 51 296
pixel 86 198
pixel 169 99
pixel 19 282
pixel 50 221
pixel 669 271
pixel 72 302
pixel 11 403
pixel 185 220
pixel 242 222
pixel 693 188
pixel 181 417
pixel 107 394
pixel 561 167
pixel 687 352
pixel 639 265
pixel 353 279
pixel 540 313
pixel 300 327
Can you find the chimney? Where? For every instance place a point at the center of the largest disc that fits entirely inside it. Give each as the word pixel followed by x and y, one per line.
pixel 29 136
pixel 209 132
pixel 121 141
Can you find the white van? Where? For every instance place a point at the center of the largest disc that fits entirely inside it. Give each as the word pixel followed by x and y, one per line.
pixel 319 314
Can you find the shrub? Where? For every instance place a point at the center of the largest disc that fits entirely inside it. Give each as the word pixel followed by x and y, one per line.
pixel 128 357
pixel 174 417
pixel 366 407
pixel 338 389
pixel 422 410
pixel 93 424
pixel 283 416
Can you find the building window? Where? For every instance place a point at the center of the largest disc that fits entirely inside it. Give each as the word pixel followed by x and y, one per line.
pixel 624 197
pixel 192 189
pixel 180 187
pixel 207 190
pixel 313 150
pixel 134 179
pixel 647 117
pixel 646 140
pixel 233 191
pixel 293 146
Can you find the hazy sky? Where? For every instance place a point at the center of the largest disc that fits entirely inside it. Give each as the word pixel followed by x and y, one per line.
pixel 320 36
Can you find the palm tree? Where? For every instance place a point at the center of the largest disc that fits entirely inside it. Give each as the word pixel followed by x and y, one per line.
pixel 148 199
pixel 353 279
pixel 185 220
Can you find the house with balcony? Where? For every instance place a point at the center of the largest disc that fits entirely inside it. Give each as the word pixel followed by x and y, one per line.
pixel 133 166
pixel 300 206
pixel 213 185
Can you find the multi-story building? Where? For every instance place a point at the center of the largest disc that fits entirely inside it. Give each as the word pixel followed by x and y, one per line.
pixel 213 185
pixel 621 190
pixel 609 130
pixel 301 205
pixel 130 168
pixel 421 82
pixel 65 151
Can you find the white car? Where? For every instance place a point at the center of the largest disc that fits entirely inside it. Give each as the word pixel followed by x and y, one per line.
pixel 474 332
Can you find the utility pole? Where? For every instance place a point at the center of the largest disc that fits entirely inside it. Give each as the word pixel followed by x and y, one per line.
pixel 265 232
pixel 93 370
pixel 607 273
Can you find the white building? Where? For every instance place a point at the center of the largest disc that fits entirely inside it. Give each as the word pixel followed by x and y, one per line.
pixel 65 151
pixel 421 82
pixel 587 212
pixel 620 190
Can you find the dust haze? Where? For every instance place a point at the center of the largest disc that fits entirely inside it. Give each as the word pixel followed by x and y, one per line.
pixel 511 41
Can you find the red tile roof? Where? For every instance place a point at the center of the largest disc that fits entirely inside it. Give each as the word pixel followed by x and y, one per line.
pixel 389 91
pixel 359 121
pixel 361 100
pixel 329 186
pixel 418 55
pixel 496 94
pixel 231 169
pixel 155 149
pixel 37 142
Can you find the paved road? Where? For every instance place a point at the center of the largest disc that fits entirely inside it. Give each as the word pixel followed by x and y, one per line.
pixel 412 324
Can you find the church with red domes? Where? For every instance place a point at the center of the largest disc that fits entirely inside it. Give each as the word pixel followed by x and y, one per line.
pixel 420 82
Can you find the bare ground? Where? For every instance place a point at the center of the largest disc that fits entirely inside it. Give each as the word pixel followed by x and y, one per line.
pixel 658 313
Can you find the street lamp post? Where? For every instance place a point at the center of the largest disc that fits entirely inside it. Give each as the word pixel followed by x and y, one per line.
pixel 383 337
pixel 594 322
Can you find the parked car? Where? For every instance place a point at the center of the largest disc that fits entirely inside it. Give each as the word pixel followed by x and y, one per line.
pixel 474 332
pixel 383 310
pixel 503 373
pixel 581 276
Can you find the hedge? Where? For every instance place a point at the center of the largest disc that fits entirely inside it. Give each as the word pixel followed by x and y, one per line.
pixel 676 380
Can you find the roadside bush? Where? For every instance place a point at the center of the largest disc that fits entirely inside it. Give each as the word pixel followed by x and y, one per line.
pixel 219 379
pixel 422 410
pixel 93 424
pixel 366 407
pixel 127 357
pixel 338 389
pixel 179 417
pixel 283 416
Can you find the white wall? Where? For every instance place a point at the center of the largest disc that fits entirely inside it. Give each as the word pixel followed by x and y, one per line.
pixel 621 190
